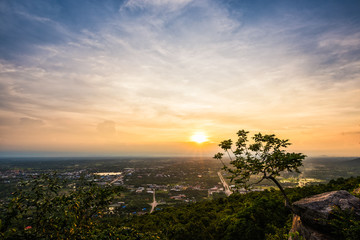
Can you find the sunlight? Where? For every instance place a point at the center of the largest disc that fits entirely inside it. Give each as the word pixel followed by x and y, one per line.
pixel 199 137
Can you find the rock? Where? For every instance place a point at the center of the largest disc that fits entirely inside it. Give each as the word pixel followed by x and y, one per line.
pixel 300 230
pixel 315 210
pixel 312 213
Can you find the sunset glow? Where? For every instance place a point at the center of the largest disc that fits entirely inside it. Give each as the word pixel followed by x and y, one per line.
pixel 136 77
pixel 199 137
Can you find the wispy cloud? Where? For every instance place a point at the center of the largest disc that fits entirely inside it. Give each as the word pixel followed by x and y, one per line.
pixel 168 5
pixel 161 68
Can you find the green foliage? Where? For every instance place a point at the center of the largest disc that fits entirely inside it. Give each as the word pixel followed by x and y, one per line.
pixel 265 157
pixel 237 217
pixel 46 208
pixel 279 233
pixel 255 215
pixel 345 224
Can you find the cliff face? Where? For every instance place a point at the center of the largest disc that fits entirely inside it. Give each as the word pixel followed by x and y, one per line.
pixel 311 214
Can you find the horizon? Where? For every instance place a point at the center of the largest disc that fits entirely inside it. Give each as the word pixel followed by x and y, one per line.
pixel 176 77
pixel 69 156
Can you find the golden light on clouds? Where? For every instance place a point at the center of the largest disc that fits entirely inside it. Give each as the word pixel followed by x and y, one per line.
pixel 139 82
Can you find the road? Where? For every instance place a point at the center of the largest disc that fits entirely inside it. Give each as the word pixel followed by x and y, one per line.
pixel 228 192
pixel 117 179
pixel 154 203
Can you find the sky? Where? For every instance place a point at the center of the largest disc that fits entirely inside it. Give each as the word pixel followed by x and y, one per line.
pixel 141 77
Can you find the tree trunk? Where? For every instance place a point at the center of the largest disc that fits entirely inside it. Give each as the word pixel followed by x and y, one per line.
pixel 287 201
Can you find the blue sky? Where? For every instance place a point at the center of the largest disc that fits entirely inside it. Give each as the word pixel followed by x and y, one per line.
pixel 128 77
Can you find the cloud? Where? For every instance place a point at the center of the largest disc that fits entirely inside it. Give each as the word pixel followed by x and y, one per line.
pixel 169 5
pixel 160 67
pixel 351 133
pixel 23 29
pixel 213 57
pixel 30 122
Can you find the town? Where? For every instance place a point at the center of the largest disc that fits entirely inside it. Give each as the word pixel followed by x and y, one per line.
pixel 150 183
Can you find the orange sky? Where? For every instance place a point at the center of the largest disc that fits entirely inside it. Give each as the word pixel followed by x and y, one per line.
pixel 141 77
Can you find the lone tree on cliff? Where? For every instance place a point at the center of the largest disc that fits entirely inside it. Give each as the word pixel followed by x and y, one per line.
pixel 265 157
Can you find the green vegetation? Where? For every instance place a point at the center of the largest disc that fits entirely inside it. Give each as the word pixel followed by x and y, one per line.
pixel 265 157
pixel 256 215
pixel 48 208
pixel 345 224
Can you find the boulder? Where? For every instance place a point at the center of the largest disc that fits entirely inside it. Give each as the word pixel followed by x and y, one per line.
pixel 301 231
pixel 311 214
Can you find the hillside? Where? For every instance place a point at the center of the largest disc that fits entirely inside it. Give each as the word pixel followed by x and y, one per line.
pixel 82 214
pixel 256 215
pixel 352 163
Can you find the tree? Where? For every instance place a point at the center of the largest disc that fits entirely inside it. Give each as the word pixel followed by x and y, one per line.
pixel 265 157
pixel 48 207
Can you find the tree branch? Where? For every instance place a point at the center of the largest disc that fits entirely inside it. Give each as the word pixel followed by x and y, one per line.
pixel 229 154
pixel 287 200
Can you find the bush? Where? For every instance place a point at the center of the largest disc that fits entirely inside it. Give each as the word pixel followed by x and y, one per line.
pixel 45 208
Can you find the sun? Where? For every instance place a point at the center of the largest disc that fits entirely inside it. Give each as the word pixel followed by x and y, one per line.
pixel 199 137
